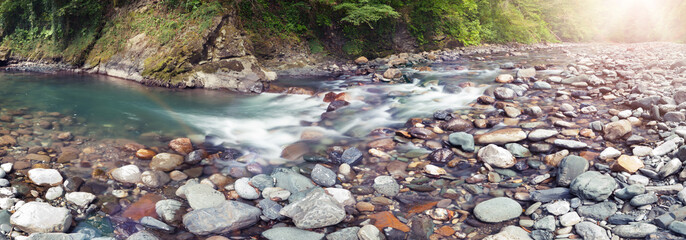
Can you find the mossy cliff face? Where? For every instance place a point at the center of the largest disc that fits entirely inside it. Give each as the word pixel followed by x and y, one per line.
pixel 146 42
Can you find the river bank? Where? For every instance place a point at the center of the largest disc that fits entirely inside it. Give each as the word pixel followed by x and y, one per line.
pixel 586 138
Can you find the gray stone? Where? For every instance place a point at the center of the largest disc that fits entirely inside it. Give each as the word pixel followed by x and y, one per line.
pixel 545 223
pixel 644 199
pixel 630 191
pixel 670 168
pixel 676 117
pixel 270 209
pixel 290 233
pixel 262 181
pixel 518 150
pixel 542 235
pixel 386 185
pixel 316 210
pixel 589 230
pixel 323 176
pixel 667 147
pixel 370 232
pixel 593 185
pixel 56 236
pixel 497 210
pixel 168 209
pixel 142 235
pixel 634 230
pixel 526 73
pixel 599 211
pixel 200 195
pixel 291 181
pixel 662 221
pixel 154 178
pixel 349 233
pixel 39 217
pixel 541 85
pixel 245 190
pixel 224 218
pixel 463 140
pixel 542 134
pixel 678 227
pixel 620 219
pixel 351 156
pixel 570 144
pixel 570 167
pixel 549 195
pixel 502 93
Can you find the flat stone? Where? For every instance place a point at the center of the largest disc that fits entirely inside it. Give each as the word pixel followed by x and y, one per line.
pixel 386 186
pixel 370 232
pixel 678 227
pixel 599 211
pixel 501 136
pixel 270 209
pixel 463 140
pixel 667 147
pixel 291 181
pixel 39 217
pixel 200 196
pixel 81 199
pixel 570 144
pixel 542 134
pixel 48 177
pixel 569 168
pixel 323 176
pixel 316 210
pixel 593 186
pixel 496 156
pixel 558 208
pixel 670 168
pixel 245 190
pixel 609 153
pixel 168 209
pixel 626 163
pixel 223 218
pixel 589 230
pixel 497 210
pixel 634 230
pixel 349 233
pixel 166 161
pixel 290 233
pixel 549 195
pixel 545 223
pixel 644 199
pixel 510 233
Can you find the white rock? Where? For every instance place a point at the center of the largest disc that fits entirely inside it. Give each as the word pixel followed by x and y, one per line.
pixel 624 114
pixel 642 151
pixel 81 199
pixel 343 196
pixel 667 147
pixel 276 194
pixel 609 153
pixel 49 177
pixel 434 170
pixel 245 190
pixel 127 174
pixel 558 208
pixel 41 217
pixel 570 219
pixel 54 192
pixel 7 167
pixel 7 203
pixel 638 179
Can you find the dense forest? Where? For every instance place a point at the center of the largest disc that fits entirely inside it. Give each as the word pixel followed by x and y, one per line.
pixel 69 28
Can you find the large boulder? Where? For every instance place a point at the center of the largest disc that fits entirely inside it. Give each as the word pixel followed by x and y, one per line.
pixel 224 218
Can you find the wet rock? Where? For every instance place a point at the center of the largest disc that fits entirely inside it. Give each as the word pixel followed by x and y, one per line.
pixel 463 140
pixel 510 233
pixel 386 185
pixel 81 199
pixel 526 73
pixel 153 223
pixel 540 85
pixel 593 186
pixel 617 130
pixel 370 232
pixel 422 133
pixel 349 233
pixel 290 233
pixel 154 179
pixel 630 191
pixel 316 210
pixel 443 155
pixel 549 195
pixel 599 211
pixel 542 134
pixel 392 73
pixel 48 177
pixel 502 93
pixel 558 208
pixel 674 117
pixel 457 125
pixel 571 167
pixel 142 235
pixel 504 78
pixel 678 227
pixel 291 181
pixel 351 156
pixel 635 230
pixel 181 145
pixel 145 154
pixel 195 157
pixel 270 209
pixel 200 196
pixel 168 209
pixel 166 161
pixel 518 150
pixel 245 190
pixel 589 230
pixel 497 210
pixel 223 218
pixel 127 174
pixel 626 163
pixel 54 193
pixel 38 217
pixel 570 144
pixel 323 176
pixel 496 156
pixel 502 136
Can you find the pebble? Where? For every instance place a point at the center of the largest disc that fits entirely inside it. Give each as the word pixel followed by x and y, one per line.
pixel 593 185
pixel 558 208
pixel 168 209
pixel 41 176
pixel 609 153
pixel 589 230
pixel 570 219
pixel 569 168
pixel 634 230
pixel 542 134
pixel 290 233
pixel 497 210
pixel 323 176
pixel 223 218
pixel 200 196
pixel 245 190
pixel 463 140
pixel 386 185
pixel 644 199
pixel 81 199
pixel 496 156
pixel 598 211
pixel 127 174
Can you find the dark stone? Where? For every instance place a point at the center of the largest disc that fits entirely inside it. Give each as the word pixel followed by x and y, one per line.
pixel 335 105
pixel 549 195
pixel 443 155
pixel 620 219
pixel 195 156
pixel 422 228
pixel 351 156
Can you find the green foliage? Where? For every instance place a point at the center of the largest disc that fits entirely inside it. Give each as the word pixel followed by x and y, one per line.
pixel 457 19
pixel 364 12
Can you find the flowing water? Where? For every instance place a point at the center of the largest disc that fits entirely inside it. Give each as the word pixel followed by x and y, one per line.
pixel 263 124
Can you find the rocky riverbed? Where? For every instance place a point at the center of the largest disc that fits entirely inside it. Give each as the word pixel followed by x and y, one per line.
pixel 592 150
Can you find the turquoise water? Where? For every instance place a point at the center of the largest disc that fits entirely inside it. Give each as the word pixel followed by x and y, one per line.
pixel 113 108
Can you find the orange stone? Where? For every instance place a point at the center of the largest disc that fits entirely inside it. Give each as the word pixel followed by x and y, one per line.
pixel 145 206
pixel 626 163
pixel 387 219
pixel 422 207
pixel 385 144
pixel 589 155
pixel 446 231
pixel 145 154
pixel 587 133
pixel 181 145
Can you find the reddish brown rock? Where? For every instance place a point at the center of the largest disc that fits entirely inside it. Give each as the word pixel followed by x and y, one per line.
pixel 181 145
pixel 145 206
pixel 387 219
pixel 385 144
pixel 68 154
pixel 458 125
pixel 145 154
